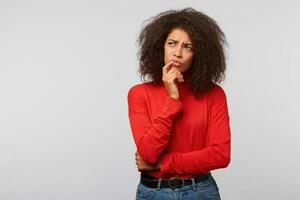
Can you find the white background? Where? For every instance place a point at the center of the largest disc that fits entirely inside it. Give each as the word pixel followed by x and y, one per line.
pixel 65 70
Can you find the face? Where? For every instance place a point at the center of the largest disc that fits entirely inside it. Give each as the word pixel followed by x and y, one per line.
pixel 179 49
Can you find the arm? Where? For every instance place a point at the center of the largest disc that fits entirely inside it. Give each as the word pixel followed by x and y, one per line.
pixel 215 155
pixel 151 138
pixel 143 166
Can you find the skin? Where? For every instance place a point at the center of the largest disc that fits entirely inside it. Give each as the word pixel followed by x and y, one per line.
pixel 178 58
pixel 143 166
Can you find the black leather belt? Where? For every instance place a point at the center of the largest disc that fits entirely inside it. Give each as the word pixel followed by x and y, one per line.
pixel 172 183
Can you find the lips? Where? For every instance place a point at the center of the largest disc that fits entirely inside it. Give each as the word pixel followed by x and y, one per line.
pixel 176 63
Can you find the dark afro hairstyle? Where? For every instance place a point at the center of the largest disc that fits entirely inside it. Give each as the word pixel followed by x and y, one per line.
pixel 208 41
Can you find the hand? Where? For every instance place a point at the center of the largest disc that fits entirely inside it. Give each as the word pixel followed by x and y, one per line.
pixel 169 77
pixel 142 165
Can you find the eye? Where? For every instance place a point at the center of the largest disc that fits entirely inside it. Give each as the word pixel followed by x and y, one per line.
pixel 171 43
pixel 188 47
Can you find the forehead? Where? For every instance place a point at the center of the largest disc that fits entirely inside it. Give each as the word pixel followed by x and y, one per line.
pixel 179 34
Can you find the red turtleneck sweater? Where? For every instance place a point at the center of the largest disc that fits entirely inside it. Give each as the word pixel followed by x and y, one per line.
pixel 188 136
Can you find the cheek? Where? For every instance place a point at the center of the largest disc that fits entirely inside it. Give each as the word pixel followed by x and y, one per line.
pixel 192 57
pixel 189 59
pixel 166 52
pixel 167 55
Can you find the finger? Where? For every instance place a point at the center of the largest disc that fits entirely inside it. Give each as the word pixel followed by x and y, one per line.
pixel 137 160
pixel 178 73
pixel 138 157
pixel 167 67
pixel 179 76
pixel 172 71
pixel 138 164
pixel 140 168
pixel 172 77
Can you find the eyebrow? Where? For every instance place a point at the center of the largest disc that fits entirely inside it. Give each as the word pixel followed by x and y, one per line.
pixel 183 43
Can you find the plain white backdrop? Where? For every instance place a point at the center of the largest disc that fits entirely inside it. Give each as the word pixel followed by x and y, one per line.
pixel 65 70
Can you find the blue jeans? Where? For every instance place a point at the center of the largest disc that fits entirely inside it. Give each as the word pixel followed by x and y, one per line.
pixel 207 189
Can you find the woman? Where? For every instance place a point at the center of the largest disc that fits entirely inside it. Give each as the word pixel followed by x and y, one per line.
pixel 179 118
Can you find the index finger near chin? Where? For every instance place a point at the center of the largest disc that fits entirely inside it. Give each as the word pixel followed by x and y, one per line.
pixel 165 68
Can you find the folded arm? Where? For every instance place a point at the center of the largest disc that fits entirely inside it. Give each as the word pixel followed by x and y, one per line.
pixel 215 155
pixel 151 138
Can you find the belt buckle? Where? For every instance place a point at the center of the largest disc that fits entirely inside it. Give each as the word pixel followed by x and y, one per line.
pixel 175 183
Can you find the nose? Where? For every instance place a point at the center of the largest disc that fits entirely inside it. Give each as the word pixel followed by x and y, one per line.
pixel 178 52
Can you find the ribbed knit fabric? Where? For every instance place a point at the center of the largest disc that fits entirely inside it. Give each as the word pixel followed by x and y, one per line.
pixel 189 136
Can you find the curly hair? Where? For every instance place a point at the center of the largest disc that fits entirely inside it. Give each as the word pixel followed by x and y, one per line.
pixel 208 41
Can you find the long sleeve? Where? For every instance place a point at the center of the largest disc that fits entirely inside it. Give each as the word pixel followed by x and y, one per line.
pixel 215 155
pixel 151 138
